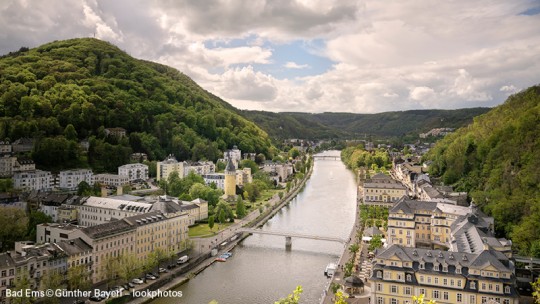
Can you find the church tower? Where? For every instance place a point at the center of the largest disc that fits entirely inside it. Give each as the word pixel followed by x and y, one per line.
pixel 230 180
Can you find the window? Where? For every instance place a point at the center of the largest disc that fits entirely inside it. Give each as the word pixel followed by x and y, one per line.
pixel 409 278
pixel 459 298
pixel 506 301
pixel 436 280
pixel 379 287
pixel 483 286
pixel 422 265
pixel 422 291
pixel 393 289
pixel 459 283
pixel 421 279
pixel 429 280
pixel 436 267
pixel 506 289
pixel 452 282
pixel 472 299
pixel 473 285
pixel 380 300
pixel 379 274
pixel 393 301
pixel 445 295
pixel 407 291
pixel 484 300
pixel 435 294
pixel 445 282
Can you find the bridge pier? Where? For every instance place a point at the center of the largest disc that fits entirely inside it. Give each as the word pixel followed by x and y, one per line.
pixel 288 242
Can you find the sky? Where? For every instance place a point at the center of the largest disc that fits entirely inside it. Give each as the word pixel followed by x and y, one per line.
pixel 310 55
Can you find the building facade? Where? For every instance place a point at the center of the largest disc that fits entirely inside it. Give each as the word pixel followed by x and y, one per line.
pixel 134 171
pixel 447 277
pixel 230 180
pixel 217 178
pixel 99 210
pixel 32 180
pixel 382 190
pixel 112 180
pixel 168 166
pixel 70 179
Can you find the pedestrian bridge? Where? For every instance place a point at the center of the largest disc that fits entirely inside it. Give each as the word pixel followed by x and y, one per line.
pixel 289 235
pixel 327 157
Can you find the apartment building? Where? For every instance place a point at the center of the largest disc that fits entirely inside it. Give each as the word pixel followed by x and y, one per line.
pixel 382 190
pixel 447 277
pixel 168 166
pixel 32 180
pixel 112 180
pixel 134 171
pixel 70 179
pixel 99 210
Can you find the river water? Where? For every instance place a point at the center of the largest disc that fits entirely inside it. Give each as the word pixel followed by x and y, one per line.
pixel 262 270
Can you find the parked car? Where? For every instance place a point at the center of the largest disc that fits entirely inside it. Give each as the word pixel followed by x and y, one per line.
pixel 130 285
pixel 182 259
pixel 161 270
pixel 137 281
pixel 150 276
pixel 171 266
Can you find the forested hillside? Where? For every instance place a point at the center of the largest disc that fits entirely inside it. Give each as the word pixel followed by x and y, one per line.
pixel 350 125
pixel 497 159
pixel 67 91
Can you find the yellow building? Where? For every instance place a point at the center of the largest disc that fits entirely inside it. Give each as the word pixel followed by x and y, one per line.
pixel 446 277
pixel 382 190
pixel 230 181
pixel 168 166
pixel 155 230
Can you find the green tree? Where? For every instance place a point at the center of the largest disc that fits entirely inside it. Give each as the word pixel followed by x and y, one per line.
pixel 70 133
pixel 240 208
pixel 340 298
pixel 36 218
pixel 211 222
pixel 294 153
pixel 14 226
pixel 536 290
pixel 293 298
pixel 78 277
pixel 253 191
pixel 248 163
pixel 22 282
pixel 353 249
pixel 129 266
pixel 376 242
pixel 51 280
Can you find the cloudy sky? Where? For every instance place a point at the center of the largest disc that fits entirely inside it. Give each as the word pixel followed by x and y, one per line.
pixel 311 55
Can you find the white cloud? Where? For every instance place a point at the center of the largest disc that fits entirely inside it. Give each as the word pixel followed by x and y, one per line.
pixel 510 89
pixel 246 84
pixel 421 94
pixel 294 65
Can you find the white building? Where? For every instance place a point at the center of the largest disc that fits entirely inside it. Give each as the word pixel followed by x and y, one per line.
pixel 32 180
pixel 168 166
pixel 234 154
pixel 70 179
pixel 134 171
pixel 199 168
pixel 7 163
pixel 216 178
pixel 111 179
pixel 99 210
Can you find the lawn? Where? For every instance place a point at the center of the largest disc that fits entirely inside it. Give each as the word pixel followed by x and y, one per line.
pixel 202 230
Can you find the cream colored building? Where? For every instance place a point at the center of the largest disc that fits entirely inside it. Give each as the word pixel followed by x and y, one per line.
pixel 98 210
pixel 243 176
pixel 447 277
pixel 168 166
pixel 382 190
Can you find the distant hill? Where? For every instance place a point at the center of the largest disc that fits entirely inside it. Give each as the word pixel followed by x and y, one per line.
pixel 349 125
pixel 497 159
pixel 66 91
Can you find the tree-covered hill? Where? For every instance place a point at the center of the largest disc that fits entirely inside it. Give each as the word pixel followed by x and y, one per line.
pixel 66 91
pixel 350 125
pixel 497 159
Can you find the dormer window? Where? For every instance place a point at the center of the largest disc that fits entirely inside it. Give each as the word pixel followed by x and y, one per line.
pixel 422 265
pixel 445 268
pixel 379 274
pixel 436 267
pixel 458 269
pixel 506 289
pixel 473 285
pixel 409 278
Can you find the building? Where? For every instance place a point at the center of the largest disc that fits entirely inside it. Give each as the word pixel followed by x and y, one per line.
pixel 22 145
pixel 99 210
pixel 7 275
pixel 382 190
pixel 138 157
pixel 134 171
pixel 217 178
pixel 108 241
pixel 7 162
pixel 5 147
pixel 283 171
pixel 234 154
pixel 78 253
pixel 116 132
pixel 111 180
pixel 440 225
pixel 447 277
pixel 168 166
pixel 67 214
pixel 230 180
pixel 50 202
pixel 199 168
pixel 32 180
pixel 24 164
pixel 70 179
pixel 243 176
pixel 197 209
pixel 55 233
pixel 155 230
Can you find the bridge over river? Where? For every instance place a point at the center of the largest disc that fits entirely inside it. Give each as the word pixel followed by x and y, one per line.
pixel 289 235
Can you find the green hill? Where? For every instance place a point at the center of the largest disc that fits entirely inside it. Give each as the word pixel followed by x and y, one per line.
pixel 497 159
pixel 66 91
pixel 350 125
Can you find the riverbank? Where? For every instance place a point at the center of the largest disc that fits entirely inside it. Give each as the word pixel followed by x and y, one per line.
pixel 224 241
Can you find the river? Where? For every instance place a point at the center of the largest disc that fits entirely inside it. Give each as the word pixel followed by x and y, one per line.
pixel 262 270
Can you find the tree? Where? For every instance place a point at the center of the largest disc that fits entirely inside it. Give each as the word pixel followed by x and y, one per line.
pixel 253 191
pixel 70 133
pixel 112 269
pixel 340 298
pixel 420 300
pixel 240 208
pixel 376 242
pixel 354 248
pixel 293 298
pixel 23 283
pixel 211 222
pixel 294 153
pixel 536 290
pixel 14 226
pixel 129 266
pixel 78 277
pixel 51 280
pixel 36 218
